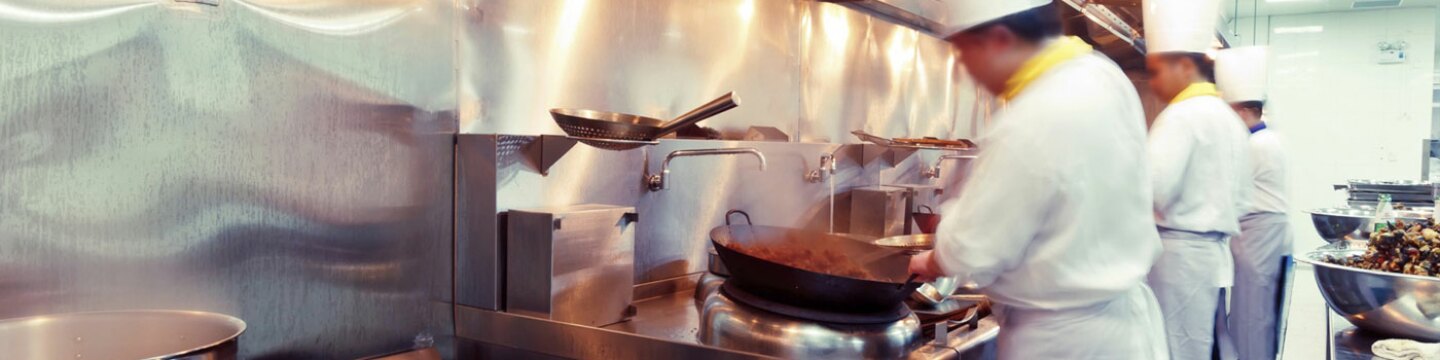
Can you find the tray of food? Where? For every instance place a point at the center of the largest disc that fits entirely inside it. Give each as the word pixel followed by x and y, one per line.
pixel 927 143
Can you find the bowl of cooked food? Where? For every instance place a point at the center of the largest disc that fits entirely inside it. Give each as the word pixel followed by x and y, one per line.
pixel 1390 286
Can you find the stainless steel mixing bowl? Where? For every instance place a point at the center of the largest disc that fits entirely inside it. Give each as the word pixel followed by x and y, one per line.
pixel 1387 303
pixel 126 335
pixel 1345 223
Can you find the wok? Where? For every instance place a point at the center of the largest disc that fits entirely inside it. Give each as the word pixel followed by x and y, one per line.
pixel 616 131
pixel 885 287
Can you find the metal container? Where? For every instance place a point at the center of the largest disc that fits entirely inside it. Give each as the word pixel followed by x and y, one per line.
pixel 571 264
pixel 1388 303
pixel 1346 223
pixel 139 334
pixel 879 211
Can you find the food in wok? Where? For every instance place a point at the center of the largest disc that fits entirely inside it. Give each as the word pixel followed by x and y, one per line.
pixel 824 261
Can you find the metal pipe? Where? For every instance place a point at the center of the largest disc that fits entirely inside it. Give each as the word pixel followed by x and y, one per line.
pixel 933 172
pixel 657 181
pixel 827 168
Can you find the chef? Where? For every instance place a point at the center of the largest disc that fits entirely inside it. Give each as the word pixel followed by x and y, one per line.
pixel 1263 248
pixel 1055 226
pixel 1199 161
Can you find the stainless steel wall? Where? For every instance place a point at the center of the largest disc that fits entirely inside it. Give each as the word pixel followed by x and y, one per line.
pixel 814 70
pixel 285 162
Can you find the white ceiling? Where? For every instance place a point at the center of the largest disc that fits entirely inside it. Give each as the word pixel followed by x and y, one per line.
pixel 1286 7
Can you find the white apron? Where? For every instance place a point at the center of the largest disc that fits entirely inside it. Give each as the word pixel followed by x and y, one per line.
pixel 1187 282
pixel 1260 254
pixel 1129 327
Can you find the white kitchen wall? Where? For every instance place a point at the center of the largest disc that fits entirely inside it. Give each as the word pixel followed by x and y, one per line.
pixel 1343 115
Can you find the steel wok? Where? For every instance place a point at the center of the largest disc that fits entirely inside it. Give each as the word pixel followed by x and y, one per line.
pixel 886 288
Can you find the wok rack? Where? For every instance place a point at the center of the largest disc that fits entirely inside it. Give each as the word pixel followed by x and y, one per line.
pixel 613 144
pixel 894 152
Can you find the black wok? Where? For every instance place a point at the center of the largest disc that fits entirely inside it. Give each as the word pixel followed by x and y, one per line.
pixel 886 286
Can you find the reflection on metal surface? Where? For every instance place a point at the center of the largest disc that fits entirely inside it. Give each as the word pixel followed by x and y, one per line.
pixel 580 342
pixel 812 69
pixel 133 334
pixel 732 325
pixel 574 264
pixel 18 11
pixel 1389 303
pixel 628 56
pixel 223 159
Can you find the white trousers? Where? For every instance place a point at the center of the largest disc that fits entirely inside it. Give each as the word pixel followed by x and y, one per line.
pixel 1128 327
pixel 1260 254
pixel 1187 281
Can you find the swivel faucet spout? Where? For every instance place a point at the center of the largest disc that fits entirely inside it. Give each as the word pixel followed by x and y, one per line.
pixel 657 182
pixel 933 172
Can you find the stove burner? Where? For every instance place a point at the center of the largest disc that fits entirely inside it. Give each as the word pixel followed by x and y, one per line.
pixel 889 316
pixel 731 324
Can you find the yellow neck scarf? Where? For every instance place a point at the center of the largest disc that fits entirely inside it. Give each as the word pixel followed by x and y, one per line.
pixel 1054 54
pixel 1196 90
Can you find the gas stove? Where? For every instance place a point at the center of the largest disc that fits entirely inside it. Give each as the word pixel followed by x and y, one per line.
pixel 733 319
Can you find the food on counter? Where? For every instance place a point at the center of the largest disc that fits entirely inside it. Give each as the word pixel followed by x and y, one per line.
pixel 824 261
pixel 1406 248
pixel 935 142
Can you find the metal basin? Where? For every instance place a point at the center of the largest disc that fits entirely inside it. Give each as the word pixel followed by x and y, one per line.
pixel 124 335
pixel 1387 303
pixel 1340 224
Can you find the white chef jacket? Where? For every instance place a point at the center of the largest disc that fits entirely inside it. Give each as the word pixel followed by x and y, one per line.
pixel 1058 213
pixel 1200 160
pixel 1267 161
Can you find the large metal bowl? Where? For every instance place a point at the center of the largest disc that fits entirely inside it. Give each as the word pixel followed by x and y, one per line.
pixel 126 335
pixel 1393 304
pixel 1346 223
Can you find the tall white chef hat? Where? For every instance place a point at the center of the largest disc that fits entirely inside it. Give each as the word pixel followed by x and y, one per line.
pixel 1180 25
pixel 962 15
pixel 1241 73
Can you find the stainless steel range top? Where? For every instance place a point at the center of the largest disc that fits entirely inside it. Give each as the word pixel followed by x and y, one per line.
pixel 669 326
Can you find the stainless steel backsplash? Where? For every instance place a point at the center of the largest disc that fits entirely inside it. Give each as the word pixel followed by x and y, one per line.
pixel 294 163
pixel 284 162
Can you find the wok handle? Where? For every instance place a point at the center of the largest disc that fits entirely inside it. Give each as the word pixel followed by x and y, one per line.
pixel 714 107
pixel 742 213
pixel 911 283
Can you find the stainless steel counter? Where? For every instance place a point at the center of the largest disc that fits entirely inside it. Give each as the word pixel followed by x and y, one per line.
pixel 666 326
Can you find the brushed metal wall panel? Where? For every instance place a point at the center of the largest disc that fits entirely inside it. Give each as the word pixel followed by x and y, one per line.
pixel 658 58
pixel 938 76
pixel 286 163
pixel 834 41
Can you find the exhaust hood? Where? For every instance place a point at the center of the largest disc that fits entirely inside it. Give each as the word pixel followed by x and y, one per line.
pixel 924 16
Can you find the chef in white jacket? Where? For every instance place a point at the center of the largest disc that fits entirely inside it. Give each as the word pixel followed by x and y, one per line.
pixel 1262 251
pixel 1055 226
pixel 1199 159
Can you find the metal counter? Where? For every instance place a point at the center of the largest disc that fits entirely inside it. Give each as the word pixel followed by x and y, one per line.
pixel 664 327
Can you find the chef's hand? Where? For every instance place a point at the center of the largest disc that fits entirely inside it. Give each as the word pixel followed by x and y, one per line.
pixel 923 264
